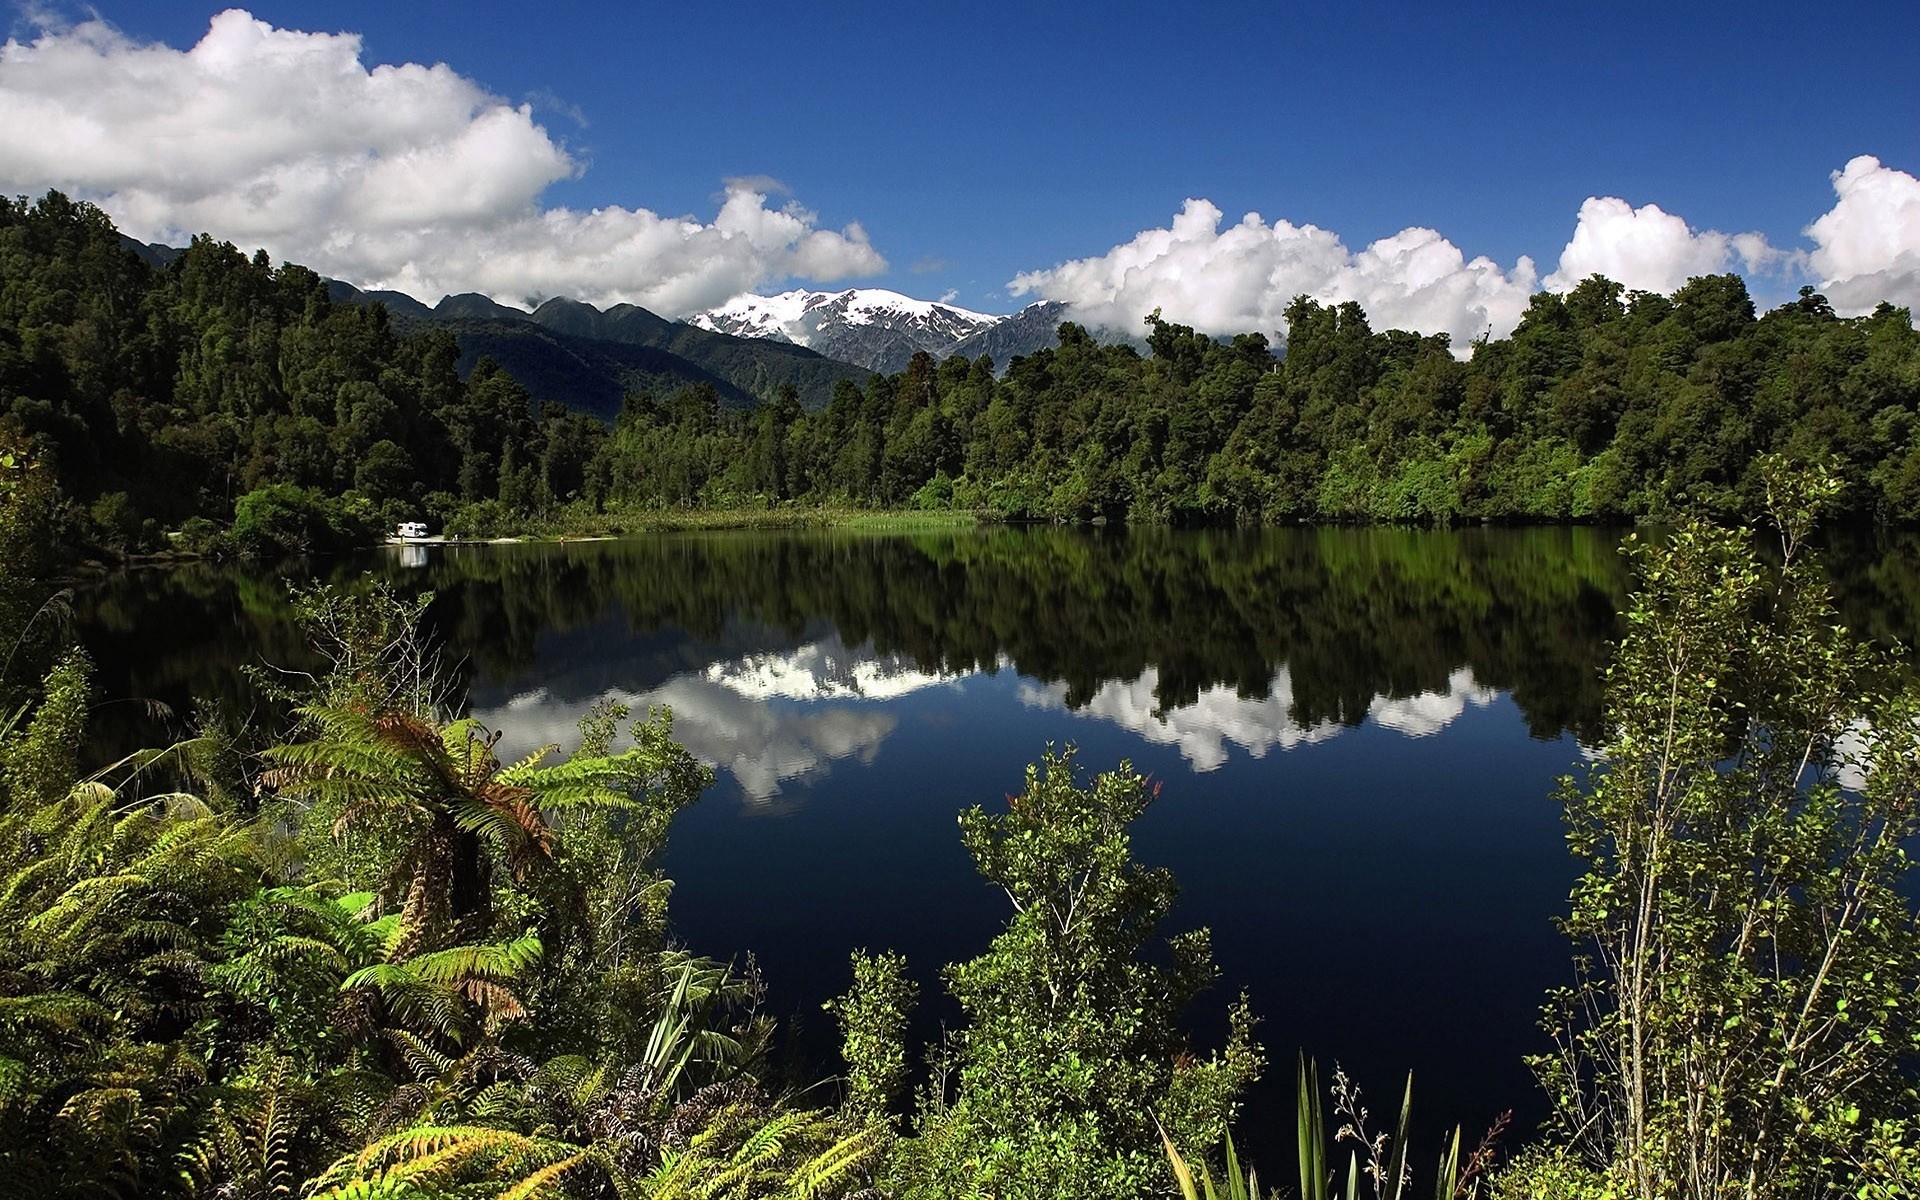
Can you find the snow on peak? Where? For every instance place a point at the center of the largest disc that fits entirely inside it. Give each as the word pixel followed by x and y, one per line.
pixel 801 317
pixel 860 305
pixel 758 316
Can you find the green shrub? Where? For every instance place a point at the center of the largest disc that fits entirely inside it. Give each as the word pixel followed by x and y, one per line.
pixel 482 518
pixel 1073 1045
pixel 284 519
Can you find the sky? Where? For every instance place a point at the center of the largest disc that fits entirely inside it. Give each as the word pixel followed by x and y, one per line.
pixel 1436 163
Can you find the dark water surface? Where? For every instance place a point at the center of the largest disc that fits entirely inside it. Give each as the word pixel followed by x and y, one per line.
pixel 1358 733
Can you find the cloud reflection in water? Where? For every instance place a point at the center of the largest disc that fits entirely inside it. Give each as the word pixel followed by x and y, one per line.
pixel 767 719
pixel 779 717
pixel 1201 730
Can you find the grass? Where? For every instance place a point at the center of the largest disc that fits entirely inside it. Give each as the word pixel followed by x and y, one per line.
pixel 571 524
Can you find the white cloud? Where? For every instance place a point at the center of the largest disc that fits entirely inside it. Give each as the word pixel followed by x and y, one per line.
pixel 1649 249
pixel 1243 279
pixel 1867 247
pixel 409 177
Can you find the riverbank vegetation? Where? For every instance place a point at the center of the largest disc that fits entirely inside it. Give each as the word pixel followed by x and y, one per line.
pixel 223 390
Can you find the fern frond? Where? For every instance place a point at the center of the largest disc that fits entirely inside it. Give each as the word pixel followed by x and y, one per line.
pixel 496 961
pixel 423 1061
pixel 835 1164
pixel 546 1178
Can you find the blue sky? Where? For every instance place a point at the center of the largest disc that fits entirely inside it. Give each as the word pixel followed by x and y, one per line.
pixel 973 143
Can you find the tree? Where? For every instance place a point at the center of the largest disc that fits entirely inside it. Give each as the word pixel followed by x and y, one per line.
pixel 1743 1017
pixel 1073 1045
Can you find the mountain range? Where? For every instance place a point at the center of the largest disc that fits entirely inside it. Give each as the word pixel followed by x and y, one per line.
pixel 882 330
pixel 590 359
pixel 871 327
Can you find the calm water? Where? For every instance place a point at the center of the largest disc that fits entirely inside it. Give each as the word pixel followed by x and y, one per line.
pixel 1358 732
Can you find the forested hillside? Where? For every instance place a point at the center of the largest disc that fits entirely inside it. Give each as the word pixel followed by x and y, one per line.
pixel 1603 405
pixel 161 396
pixel 164 394
pixel 572 353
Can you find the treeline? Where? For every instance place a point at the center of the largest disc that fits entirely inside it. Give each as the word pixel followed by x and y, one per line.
pixel 163 398
pixel 221 389
pixel 1603 405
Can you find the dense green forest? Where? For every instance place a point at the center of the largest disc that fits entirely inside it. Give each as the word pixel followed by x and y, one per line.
pixel 221 389
pixel 1602 405
pixel 222 386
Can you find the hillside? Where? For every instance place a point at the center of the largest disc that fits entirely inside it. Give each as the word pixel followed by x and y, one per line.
pixel 574 354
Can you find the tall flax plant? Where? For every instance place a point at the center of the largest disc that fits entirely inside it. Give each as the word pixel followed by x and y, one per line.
pixel 1742 1024
pixel 1378 1163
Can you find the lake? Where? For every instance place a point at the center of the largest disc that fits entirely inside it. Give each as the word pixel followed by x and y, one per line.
pixel 1358 733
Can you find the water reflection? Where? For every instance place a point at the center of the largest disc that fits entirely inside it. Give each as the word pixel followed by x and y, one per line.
pixel 1256 724
pixel 1202 640
pixel 771 718
pixel 826 670
pixel 767 719
pixel 761 745
pixel 1394 698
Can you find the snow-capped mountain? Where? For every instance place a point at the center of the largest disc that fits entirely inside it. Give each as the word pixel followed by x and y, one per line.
pixel 870 327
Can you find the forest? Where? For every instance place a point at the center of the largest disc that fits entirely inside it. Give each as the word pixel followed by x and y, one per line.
pixel 345 949
pixel 221 402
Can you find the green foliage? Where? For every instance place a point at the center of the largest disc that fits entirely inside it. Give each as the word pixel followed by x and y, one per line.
pixel 1239 1185
pixel 873 1027
pixel 1743 1015
pixel 39 765
pixel 156 397
pixel 1072 1044
pixel 285 519
pixel 188 1008
pixel 1601 408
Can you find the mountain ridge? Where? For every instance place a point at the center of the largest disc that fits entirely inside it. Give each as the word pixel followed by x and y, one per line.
pixel 876 328
pixel 586 358
pixel 883 329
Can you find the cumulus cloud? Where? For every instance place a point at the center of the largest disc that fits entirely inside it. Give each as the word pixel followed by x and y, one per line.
pixel 1867 246
pixel 1243 278
pixel 408 177
pixel 1649 249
